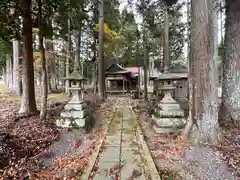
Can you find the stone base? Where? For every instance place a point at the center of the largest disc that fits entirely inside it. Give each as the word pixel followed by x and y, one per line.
pixel 166 130
pixel 176 113
pixel 76 106
pixel 169 106
pixel 71 122
pixel 74 114
pixel 169 122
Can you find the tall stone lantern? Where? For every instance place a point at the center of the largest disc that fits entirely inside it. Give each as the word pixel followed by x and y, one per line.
pixel 168 116
pixel 74 114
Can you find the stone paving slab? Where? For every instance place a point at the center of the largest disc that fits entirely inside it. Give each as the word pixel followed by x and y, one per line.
pixel 111 154
pixel 103 166
pixel 99 177
pixel 113 140
pixel 128 171
pixel 130 155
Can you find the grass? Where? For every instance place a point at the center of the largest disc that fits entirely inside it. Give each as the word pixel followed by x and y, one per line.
pixel 11 98
pixel 6 97
pixel 3 89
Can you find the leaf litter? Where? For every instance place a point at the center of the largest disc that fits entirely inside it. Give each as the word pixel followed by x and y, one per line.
pixel 23 140
pixel 171 151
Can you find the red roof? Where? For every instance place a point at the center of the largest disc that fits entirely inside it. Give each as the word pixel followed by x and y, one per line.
pixel 133 70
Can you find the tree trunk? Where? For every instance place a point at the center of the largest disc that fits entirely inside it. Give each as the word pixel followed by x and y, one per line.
pixel 20 69
pixel 4 75
pixel 28 101
pixel 188 29
pixel 204 110
pixel 230 107
pixel 50 60
pixel 145 62
pixel 139 66
pixel 94 49
pixel 166 59
pixel 7 71
pixel 78 51
pixel 101 52
pixel 16 66
pixel 68 58
pixel 95 66
pixel 44 87
pixel 50 65
pixel 10 76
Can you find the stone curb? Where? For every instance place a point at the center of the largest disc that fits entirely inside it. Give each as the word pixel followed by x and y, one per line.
pixel 95 154
pixel 150 165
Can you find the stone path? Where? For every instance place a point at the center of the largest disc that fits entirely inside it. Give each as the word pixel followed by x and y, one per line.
pixel 121 147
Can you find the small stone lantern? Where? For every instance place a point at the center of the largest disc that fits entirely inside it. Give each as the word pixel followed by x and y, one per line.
pixel 74 114
pixel 169 116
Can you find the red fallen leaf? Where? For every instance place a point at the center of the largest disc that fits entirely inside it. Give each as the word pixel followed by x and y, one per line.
pixel 76 144
pixel 117 177
pixel 172 152
pixel 131 178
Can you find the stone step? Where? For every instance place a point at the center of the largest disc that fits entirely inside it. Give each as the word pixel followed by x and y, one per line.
pixel 169 107
pixel 77 106
pixel 172 113
pixel 67 122
pixel 169 122
pixel 74 114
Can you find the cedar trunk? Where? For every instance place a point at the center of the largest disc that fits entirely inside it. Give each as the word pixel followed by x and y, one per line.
pixel 203 75
pixel 230 107
pixel 44 87
pixel 77 63
pixel 101 72
pixel 28 101
pixel 67 84
pixel 145 62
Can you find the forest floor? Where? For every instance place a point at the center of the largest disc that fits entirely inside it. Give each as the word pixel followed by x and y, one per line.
pixel 176 156
pixel 35 149
pixel 40 150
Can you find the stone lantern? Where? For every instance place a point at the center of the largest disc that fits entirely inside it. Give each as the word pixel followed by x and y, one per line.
pixel 74 114
pixel 168 116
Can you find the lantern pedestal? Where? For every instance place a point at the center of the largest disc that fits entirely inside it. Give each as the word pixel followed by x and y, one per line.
pixel 75 112
pixel 169 117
